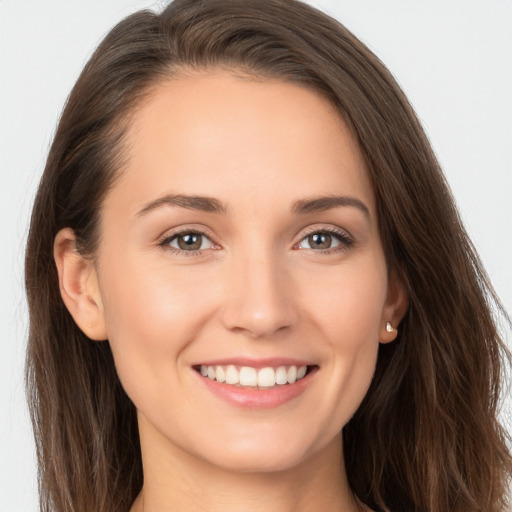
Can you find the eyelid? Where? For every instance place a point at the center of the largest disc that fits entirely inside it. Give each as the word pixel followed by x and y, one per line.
pixel 165 239
pixel 345 238
pixel 327 228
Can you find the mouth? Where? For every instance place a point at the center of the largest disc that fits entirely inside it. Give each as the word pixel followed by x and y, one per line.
pixel 249 377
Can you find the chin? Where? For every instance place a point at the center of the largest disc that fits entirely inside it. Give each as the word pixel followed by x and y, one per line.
pixel 266 455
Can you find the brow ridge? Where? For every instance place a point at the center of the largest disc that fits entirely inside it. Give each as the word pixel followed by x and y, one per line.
pixel 212 205
pixel 318 204
pixel 201 203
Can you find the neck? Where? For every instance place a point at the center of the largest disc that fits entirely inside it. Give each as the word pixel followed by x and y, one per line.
pixel 176 480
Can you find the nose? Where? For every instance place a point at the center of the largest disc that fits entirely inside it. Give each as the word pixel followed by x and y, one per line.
pixel 258 297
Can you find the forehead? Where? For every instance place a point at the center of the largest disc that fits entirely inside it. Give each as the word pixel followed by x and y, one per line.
pixel 235 137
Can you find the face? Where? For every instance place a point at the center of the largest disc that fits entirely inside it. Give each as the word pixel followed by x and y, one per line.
pixel 241 276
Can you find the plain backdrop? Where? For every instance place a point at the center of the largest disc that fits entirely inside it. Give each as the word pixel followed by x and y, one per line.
pixel 452 57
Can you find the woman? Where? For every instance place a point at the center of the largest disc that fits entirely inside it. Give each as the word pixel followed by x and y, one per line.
pixel 241 201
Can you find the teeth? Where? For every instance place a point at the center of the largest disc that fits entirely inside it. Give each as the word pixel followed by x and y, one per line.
pixel 220 374
pixel 232 375
pixel 266 378
pixel 281 375
pixel 292 374
pixel 248 376
pixel 251 377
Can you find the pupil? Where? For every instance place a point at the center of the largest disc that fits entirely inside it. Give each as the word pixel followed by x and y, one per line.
pixel 189 242
pixel 320 240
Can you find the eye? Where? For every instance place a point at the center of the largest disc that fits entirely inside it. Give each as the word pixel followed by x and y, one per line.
pixel 325 240
pixel 189 241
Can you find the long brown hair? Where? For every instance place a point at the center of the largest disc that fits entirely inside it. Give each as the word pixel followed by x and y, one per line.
pixel 426 437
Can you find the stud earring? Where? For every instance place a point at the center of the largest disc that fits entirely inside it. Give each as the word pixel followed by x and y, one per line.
pixel 389 328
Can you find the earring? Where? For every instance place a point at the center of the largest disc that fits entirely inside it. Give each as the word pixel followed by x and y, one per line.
pixel 389 328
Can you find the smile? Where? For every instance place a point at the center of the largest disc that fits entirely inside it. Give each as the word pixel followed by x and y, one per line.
pixel 256 383
pixel 249 377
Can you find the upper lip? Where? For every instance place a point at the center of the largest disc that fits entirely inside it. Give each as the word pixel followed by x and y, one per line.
pixel 273 362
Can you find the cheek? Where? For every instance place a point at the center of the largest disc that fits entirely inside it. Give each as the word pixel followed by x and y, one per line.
pixel 152 313
pixel 144 295
pixel 347 304
pixel 349 316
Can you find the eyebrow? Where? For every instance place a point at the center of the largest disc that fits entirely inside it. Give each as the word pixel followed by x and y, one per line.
pixel 204 204
pixel 323 203
pixel 212 205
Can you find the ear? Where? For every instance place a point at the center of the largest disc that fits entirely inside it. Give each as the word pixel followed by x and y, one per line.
pixel 394 309
pixel 78 283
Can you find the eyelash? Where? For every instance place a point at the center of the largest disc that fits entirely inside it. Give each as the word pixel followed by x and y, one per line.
pixel 346 241
pixel 166 240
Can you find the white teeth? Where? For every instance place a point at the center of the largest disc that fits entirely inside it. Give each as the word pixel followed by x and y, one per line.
pixel 232 375
pixel 292 374
pixel 248 376
pixel 281 375
pixel 251 377
pixel 266 377
pixel 220 374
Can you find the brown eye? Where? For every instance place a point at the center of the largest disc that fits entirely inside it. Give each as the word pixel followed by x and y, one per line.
pixel 325 240
pixel 320 241
pixel 190 241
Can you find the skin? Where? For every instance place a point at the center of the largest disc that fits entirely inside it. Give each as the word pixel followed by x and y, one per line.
pixel 256 288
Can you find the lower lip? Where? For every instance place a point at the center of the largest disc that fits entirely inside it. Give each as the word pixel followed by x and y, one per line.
pixel 252 398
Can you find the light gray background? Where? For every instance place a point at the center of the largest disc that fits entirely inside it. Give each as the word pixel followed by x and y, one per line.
pixel 452 57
